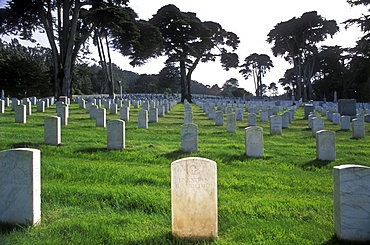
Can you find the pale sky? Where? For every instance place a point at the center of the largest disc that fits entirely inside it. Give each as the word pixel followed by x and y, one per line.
pixel 251 21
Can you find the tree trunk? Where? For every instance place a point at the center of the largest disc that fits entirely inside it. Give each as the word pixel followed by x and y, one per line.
pixel 183 80
pixel 188 78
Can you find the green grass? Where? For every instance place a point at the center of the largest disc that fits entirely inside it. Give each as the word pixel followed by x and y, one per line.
pixel 91 195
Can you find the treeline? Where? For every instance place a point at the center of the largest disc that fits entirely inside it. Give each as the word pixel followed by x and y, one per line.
pixel 27 71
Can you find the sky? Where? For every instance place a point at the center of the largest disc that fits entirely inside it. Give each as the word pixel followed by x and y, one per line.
pixel 251 21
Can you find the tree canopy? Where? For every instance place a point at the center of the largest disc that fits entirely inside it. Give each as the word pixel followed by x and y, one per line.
pixel 188 41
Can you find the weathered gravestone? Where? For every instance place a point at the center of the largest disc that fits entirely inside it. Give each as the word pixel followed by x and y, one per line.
pixel 345 122
pixel 194 198
pixel 52 131
pixel 116 134
pixel 125 113
pixel 188 117
pixel 284 120
pixel 20 186
pixel 336 118
pixel 231 123
pixel 142 121
pixel 264 116
pixel 307 109
pixel 40 106
pixel 93 109
pixel 254 141
pixel 20 114
pixel 317 124
pixel 113 109
pixel 325 145
pixel 153 114
pixel 101 117
pixel 219 118
pixel 189 137
pixel 239 114
pixel 352 202
pixel 358 128
pixel 63 113
pixel 252 119
pixel 275 125
pixel 347 107
pixel 2 106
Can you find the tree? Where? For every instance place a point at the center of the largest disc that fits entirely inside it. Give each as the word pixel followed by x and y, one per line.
pixel 273 89
pixel 229 86
pixel 68 24
pixel 188 41
pixel 25 71
pixel 256 65
pixel 296 41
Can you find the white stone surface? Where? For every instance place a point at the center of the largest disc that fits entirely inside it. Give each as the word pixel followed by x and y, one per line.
pixel 143 119
pixel 352 202
pixel 125 113
pixel 189 137
pixel 219 118
pixel 275 125
pixel 231 123
pixel 345 122
pixel 20 186
pixel 52 131
pixel 194 198
pixel 153 114
pixel 325 145
pixel 188 117
pixel 116 134
pixel 254 141
pixel 358 128
pixel 101 117
pixel 20 114
pixel 317 125
pixel 252 119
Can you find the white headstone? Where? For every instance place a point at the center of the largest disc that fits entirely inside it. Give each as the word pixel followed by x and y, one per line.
pixel 20 186
pixel 101 117
pixel 239 114
pixel 254 141
pixel 358 128
pixel 325 145
pixel 143 119
pixel 194 198
pixel 125 113
pixel 275 125
pixel 189 137
pixel 113 109
pixel 352 202
pixel 345 122
pixel 188 117
pixel 219 118
pixel 252 119
pixel 52 131
pixel 317 125
pixel 20 113
pixel 116 134
pixel 153 114
pixel 336 118
pixel 231 123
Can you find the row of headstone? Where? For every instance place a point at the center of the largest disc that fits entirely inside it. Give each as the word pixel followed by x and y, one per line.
pixel 194 207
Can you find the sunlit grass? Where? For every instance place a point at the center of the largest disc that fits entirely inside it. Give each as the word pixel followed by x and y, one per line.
pixel 91 195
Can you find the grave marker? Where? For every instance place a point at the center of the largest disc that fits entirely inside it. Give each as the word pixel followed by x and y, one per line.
pixel 231 123
pixel 116 134
pixel 52 131
pixel 352 202
pixel 20 188
pixel 194 198
pixel 189 137
pixel 254 141
pixel 325 145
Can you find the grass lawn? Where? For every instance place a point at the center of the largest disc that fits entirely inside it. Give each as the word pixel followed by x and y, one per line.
pixel 91 195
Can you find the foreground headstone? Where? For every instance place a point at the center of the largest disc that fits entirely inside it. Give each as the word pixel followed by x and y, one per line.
pixel 20 186
pixel 116 134
pixel 52 131
pixel 189 137
pixel 325 145
pixel 254 141
pixel 194 198
pixel 352 202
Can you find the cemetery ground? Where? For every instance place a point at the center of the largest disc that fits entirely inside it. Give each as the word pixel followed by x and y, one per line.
pixel 91 195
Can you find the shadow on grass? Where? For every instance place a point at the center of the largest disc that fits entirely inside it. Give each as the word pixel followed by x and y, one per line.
pixel 175 154
pixel 306 129
pixel 315 164
pixel 335 241
pixel 93 150
pixel 6 228
pixel 168 238
pixel 27 145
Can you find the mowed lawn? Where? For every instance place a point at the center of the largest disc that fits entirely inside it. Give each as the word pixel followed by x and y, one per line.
pixel 91 195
